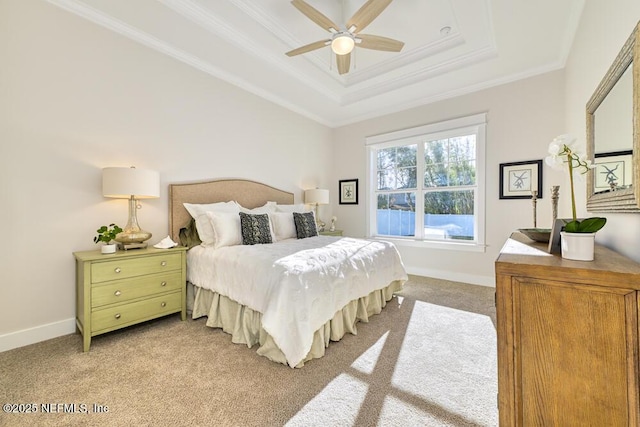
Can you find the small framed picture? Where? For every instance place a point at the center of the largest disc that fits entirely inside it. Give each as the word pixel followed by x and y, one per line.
pixel 554 238
pixel 519 179
pixel 613 170
pixel 348 190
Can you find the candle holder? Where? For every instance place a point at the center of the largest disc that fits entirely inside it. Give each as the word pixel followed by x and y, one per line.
pixel 541 234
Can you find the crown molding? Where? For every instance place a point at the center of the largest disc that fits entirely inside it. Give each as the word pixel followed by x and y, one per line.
pixel 81 9
pixel 199 15
pixel 405 58
pixel 194 12
pixel 571 30
pixel 442 96
pixel 190 10
pixel 266 20
pixel 461 61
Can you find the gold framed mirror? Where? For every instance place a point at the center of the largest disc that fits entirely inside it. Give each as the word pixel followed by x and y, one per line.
pixel 613 139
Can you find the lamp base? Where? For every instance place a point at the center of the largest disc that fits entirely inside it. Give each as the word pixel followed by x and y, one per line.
pixel 127 246
pixel 132 232
pixel 137 236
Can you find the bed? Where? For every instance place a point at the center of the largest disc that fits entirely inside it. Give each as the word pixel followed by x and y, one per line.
pixel 291 297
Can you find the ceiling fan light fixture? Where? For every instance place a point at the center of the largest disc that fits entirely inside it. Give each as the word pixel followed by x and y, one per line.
pixel 342 43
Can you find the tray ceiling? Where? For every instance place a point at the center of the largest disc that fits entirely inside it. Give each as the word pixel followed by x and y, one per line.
pixel 452 47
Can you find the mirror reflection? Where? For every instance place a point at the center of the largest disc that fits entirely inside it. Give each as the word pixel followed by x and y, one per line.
pixel 613 136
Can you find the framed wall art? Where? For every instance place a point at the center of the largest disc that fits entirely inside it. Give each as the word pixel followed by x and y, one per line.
pixel 612 171
pixel 519 179
pixel 348 190
pixel 554 238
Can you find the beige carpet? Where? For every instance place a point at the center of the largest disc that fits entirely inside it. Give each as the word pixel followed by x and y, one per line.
pixel 429 359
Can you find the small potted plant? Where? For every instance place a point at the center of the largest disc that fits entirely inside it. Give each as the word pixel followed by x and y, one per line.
pixel 577 238
pixel 107 234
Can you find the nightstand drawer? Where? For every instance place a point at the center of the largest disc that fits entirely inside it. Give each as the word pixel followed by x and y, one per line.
pixel 128 289
pixel 115 317
pixel 132 267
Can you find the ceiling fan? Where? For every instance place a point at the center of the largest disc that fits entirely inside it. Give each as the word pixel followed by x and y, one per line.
pixel 344 40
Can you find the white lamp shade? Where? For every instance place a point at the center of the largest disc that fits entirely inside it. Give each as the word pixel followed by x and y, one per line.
pixel 316 196
pixel 127 182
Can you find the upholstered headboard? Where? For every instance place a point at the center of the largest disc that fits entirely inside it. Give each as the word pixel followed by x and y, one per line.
pixel 249 194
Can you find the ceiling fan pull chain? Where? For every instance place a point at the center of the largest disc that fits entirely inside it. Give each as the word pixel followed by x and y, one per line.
pixel 330 60
pixel 355 59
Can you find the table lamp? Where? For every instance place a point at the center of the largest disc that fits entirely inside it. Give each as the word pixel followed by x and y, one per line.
pixel 316 197
pixel 133 184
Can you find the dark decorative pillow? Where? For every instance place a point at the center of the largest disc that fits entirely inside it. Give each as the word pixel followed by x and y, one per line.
pixel 188 235
pixel 305 225
pixel 255 229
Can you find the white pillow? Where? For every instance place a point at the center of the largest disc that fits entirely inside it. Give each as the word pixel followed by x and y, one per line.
pixel 268 207
pixel 203 224
pixel 283 225
pixel 226 228
pixel 300 207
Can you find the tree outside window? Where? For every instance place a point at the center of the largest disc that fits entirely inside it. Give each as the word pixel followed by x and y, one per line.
pixel 436 176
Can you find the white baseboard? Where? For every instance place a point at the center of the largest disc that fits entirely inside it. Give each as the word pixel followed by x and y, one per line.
pixel 36 334
pixel 473 279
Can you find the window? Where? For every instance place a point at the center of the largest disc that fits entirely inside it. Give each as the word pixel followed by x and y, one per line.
pixel 427 183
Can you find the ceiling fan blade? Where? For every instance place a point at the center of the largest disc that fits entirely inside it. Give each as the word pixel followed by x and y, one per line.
pixel 366 14
pixel 344 62
pixel 379 43
pixel 309 47
pixel 315 15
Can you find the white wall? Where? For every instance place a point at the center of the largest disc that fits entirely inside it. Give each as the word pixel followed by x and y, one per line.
pixel 522 117
pixel 604 27
pixel 75 98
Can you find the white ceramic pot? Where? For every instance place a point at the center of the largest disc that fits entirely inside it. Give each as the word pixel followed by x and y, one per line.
pixel 577 246
pixel 109 249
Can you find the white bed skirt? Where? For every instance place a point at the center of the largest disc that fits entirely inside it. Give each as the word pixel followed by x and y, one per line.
pixel 244 324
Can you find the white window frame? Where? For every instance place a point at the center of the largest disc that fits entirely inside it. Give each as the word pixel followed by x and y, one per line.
pixel 475 124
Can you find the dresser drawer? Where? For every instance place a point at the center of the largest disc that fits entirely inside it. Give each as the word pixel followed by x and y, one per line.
pixel 132 267
pixel 128 289
pixel 115 317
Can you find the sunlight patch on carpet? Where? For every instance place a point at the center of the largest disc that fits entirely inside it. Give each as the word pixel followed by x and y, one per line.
pixel 366 363
pixel 395 410
pixel 448 360
pixel 337 403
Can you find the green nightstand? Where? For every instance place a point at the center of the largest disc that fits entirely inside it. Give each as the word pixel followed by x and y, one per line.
pixel 118 290
pixel 330 233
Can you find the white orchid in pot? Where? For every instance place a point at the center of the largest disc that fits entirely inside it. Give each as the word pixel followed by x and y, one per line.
pixel 565 153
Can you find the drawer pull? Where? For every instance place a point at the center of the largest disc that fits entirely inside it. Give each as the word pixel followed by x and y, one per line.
pixel 117 316
pixel 117 270
pixel 163 284
pixel 163 263
pixel 117 293
pixel 163 304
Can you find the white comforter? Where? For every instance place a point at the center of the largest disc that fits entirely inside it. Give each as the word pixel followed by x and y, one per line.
pixel 297 285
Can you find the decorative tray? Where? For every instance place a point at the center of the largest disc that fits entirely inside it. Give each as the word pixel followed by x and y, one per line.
pixel 537 234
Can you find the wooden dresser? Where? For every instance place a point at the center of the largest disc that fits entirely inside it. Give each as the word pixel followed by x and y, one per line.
pixel 567 337
pixel 128 287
